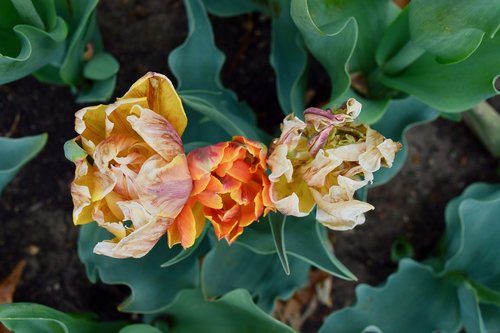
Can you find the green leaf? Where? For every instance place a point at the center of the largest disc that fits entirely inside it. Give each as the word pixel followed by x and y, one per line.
pixel 30 317
pixel 288 58
pixel 99 91
pixel 226 268
pixel 37 49
pixel 477 235
pixel 234 312
pixel 317 251
pixel 197 64
pixel 186 253
pixel 230 8
pixel 73 152
pixel 152 286
pixel 140 328
pixel 453 29
pixel 72 67
pixel 28 13
pixel 371 19
pixel 451 87
pixel 484 121
pixel 14 153
pixel 401 116
pixel 277 225
pixel 331 41
pixel 413 299
pixel 469 309
pixel 101 67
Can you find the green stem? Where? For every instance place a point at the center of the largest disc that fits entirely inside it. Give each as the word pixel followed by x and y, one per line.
pixel 484 121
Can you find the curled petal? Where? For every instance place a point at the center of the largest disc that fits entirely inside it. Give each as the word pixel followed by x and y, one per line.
pixel 116 116
pixel 162 99
pixel 319 119
pixel 353 108
pixel 315 172
pixel 280 164
pixel 156 132
pixel 380 151
pixel 292 198
pixel 164 187
pixel 90 124
pixel 138 243
pixel 339 215
pixel 350 152
pixel 291 131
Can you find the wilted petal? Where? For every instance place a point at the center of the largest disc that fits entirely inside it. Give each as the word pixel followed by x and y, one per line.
pixel 157 132
pixel 353 108
pixel 138 243
pixel 280 164
pixel 315 172
pixel 319 118
pixel 291 131
pixel 162 99
pixel 339 215
pixel 350 152
pixel 164 187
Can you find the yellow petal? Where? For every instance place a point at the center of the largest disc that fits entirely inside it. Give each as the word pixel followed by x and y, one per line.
pixel 157 132
pixel 279 164
pixel 116 116
pixel 292 198
pixel 162 98
pixel 80 193
pixel 90 124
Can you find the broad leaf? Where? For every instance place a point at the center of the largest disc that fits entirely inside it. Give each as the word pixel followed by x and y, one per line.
pixel 317 251
pixel 451 87
pixel 288 58
pixel 140 328
pixel 152 286
pixel 101 67
pixel 234 312
pixel 469 309
pixel 413 299
pixel 330 42
pixel 277 225
pixel 453 29
pixel 226 268
pixel 14 153
pixel 201 241
pixel 29 318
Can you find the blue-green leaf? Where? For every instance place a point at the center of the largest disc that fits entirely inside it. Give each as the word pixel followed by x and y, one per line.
pixel 469 309
pixel 140 328
pixel 152 286
pixel 233 312
pixel 73 152
pixel 226 268
pixel 453 29
pixel 186 253
pixel 277 225
pixel 14 153
pixel 101 67
pixel 413 299
pixel 30 318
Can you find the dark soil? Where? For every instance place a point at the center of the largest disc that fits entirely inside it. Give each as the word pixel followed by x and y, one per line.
pixel 35 208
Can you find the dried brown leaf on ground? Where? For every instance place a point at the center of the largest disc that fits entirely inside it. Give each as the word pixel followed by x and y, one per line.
pixel 304 302
pixel 8 287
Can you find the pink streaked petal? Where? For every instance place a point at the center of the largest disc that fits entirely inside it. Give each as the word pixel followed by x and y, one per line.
pixel 164 187
pixel 157 132
pixel 138 243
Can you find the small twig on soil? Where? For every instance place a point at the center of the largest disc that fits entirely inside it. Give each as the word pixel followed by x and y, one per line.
pixel 15 124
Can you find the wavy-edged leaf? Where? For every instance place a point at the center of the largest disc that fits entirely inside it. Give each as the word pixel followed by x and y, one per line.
pixel 233 312
pixel 453 29
pixel 30 317
pixel 478 234
pixel 228 8
pixel 197 64
pixel 330 42
pixel 451 87
pixel 226 268
pixel 317 251
pixel 152 287
pixel 14 153
pixel 288 58
pixel 37 49
pixel 413 299
pixel 400 117
pixel 99 91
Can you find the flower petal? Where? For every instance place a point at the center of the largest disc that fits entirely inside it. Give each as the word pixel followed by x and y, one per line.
pixel 280 164
pixel 90 124
pixel 157 132
pixel 315 172
pixel 162 99
pixel 292 198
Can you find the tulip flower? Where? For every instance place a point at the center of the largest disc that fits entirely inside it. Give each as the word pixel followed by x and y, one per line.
pixel 134 179
pixel 230 189
pixel 323 161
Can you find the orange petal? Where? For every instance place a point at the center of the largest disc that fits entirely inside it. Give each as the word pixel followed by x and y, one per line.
pixel 162 98
pixel 187 226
